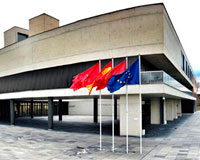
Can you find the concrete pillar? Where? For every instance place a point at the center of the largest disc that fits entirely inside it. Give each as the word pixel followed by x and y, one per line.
pixel 95 110
pixel 164 110
pixel 175 109
pixel 179 109
pixel 31 107
pixel 115 108
pixel 155 111
pixel 60 109
pixel 169 110
pixel 134 115
pixel 50 113
pixel 12 112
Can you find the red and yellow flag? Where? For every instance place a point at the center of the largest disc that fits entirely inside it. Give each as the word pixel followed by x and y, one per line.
pixel 85 78
pixel 105 70
pixel 102 81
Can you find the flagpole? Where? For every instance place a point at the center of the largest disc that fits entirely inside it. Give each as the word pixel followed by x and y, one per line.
pixel 140 99
pixel 100 123
pixel 113 120
pixel 126 110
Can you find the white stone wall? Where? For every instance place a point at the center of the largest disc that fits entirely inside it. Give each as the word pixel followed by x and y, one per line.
pixel 85 107
pixel 123 33
pixel 134 115
pixel 179 110
pixel 169 110
pixel 155 111
pixel 173 108
pixel 172 46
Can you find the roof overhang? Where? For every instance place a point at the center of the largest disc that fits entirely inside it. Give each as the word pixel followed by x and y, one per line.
pixel 163 63
pixel 150 90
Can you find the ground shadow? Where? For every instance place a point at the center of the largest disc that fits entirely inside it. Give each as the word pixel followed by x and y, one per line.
pixel 65 126
pixel 165 130
pixel 93 128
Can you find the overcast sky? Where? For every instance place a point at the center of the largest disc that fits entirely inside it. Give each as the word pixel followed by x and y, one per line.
pixel 185 16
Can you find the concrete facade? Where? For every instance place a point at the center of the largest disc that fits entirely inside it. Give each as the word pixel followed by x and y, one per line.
pixel 42 23
pixel 78 42
pixel 145 30
pixel 11 35
pixel 165 111
pixel 139 30
pixel 172 46
pixel 155 111
pixel 134 115
pixel 76 107
pixel 169 110
pixel 179 109
pixel 173 109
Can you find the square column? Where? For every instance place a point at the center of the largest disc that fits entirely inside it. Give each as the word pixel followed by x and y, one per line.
pixel 169 110
pixel 12 112
pixel 50 113
pixel 134 115
pixel 95 110
pixel 179 109
pixel 155 111
pixel 175 109
pixel 164 111
pixel 60 109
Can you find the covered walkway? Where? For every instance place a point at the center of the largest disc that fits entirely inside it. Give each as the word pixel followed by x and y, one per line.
pixel 71 123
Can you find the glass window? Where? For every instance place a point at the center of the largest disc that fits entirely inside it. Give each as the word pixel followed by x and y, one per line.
pixel 185 66
pixel 189 73
pixel 145 77
pixel 182 60
pixel 21 36
pixel 156 77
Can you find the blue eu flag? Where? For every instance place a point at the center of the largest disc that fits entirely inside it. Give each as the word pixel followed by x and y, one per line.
pixel 129 76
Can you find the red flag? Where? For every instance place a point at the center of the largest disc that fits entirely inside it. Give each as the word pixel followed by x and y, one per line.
pixel 85 78
pixel 101 83
pixel 105 70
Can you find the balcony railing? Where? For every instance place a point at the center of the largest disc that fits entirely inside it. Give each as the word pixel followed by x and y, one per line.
pixel 159 77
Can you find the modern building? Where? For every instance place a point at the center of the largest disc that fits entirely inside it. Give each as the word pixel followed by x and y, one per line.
pixel 37 67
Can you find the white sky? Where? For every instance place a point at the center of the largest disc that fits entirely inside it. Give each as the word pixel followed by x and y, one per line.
pixel 185 16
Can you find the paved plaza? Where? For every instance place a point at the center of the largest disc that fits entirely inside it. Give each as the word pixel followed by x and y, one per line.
pixel 76 137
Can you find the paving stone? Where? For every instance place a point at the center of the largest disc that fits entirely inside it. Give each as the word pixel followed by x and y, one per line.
pixel 30 139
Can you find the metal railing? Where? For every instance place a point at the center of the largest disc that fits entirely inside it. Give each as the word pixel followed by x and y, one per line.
pixel 159 77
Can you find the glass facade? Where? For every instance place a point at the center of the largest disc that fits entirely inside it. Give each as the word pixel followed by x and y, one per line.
pixel 151 77
pixel 155 77
pixel 182 61
pixel 39 108
pixel 186 68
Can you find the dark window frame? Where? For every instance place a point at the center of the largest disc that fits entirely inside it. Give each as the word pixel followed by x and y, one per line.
pixel 182 61
pixel 22 35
